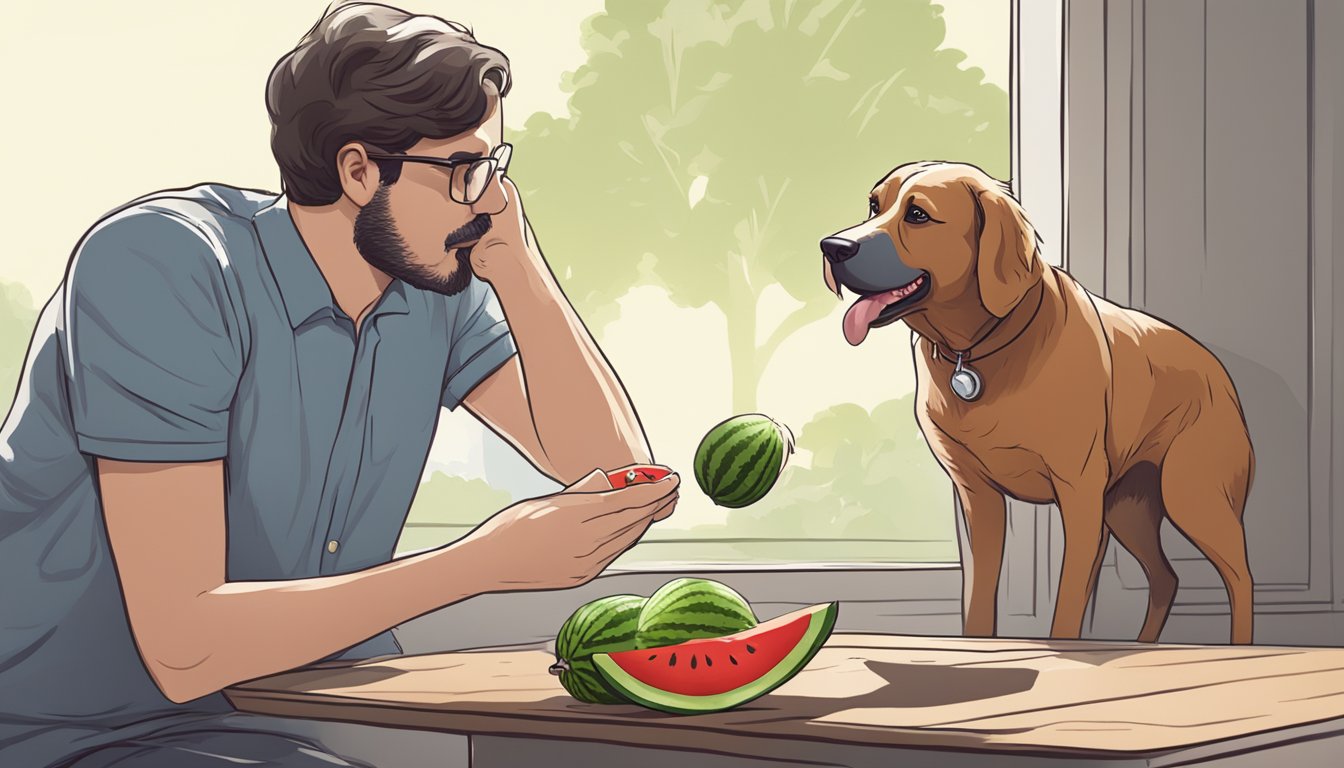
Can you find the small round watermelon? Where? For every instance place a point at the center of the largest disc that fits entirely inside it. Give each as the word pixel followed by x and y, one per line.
pixel 689 609
pixel 740 459
pixel 605 625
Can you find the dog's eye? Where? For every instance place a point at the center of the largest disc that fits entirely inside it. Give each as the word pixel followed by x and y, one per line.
pixel 916 215
pixel 873 207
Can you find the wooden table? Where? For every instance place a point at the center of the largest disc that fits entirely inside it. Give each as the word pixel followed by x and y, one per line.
pixel 871 700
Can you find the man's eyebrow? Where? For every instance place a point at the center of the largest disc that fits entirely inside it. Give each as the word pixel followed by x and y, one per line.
pixel 465 156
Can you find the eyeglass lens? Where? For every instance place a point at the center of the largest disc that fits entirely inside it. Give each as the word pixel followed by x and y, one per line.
pixel 470 181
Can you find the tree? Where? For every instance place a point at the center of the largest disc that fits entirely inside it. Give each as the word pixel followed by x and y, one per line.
pixel 711 145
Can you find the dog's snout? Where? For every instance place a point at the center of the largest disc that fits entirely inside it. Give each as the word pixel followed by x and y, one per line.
pixel 837 249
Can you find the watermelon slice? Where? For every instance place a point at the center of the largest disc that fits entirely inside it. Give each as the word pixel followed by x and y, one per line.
pixel 719 673
pixel 643 473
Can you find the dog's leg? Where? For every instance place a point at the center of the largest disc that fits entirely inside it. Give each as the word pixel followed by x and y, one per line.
pixel 1134 514
pixel 983 510
pixel 1081 511
pixel 1096 570
pixel 1205 481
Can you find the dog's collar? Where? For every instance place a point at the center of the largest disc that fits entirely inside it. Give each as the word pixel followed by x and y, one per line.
pixel 965 354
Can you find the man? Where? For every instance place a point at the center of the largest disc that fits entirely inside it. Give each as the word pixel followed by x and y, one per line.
pixel 228 404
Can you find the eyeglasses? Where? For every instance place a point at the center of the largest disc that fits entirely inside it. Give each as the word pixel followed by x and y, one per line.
pixel 470 176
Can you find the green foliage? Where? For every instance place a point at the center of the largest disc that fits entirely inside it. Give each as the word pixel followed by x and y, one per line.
pixel 786 112
pixel 17 319
pixel 872 476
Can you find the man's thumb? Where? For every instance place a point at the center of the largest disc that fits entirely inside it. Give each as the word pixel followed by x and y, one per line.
pixel 591 482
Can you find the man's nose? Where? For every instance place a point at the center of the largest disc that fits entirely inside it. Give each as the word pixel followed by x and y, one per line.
pixel 837 249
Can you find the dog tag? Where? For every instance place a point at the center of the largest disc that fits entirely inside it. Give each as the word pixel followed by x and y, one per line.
pixel 966 382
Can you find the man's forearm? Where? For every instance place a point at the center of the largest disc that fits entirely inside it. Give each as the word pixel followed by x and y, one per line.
pixel 583 416
pixel 243 630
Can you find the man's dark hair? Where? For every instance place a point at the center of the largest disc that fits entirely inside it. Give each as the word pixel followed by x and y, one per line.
pixel 378 75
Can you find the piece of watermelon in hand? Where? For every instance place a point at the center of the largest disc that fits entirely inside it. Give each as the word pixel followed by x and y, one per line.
pixel 637 474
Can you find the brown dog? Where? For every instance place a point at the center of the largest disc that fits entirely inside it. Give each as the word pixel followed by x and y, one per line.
pixel 1059 396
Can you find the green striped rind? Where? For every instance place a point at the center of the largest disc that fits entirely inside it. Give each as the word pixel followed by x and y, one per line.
pixel 820 624
pixel 605 621
pixel 739 460
pixel 714 443
pixel 755 479
pixel 605 625
pixel 689 609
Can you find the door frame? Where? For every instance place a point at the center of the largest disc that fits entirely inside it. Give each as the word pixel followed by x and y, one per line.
pixel 1083 95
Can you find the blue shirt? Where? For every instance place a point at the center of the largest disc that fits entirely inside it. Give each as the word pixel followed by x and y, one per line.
pixel 194 325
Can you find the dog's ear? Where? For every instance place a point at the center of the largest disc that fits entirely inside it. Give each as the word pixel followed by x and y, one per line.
pixel 829 277
pixel 1007 261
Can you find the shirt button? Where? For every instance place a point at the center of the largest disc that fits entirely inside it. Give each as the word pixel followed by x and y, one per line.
pixel 332 545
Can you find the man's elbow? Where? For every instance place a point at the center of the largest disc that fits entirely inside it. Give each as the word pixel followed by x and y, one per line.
pixel 181 695
pixel 181 676
pixel 179 687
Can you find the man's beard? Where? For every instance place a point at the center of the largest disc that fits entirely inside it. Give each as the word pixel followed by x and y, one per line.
pixel 379 242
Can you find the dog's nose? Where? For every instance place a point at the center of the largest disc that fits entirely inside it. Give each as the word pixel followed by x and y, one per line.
pixel 837 249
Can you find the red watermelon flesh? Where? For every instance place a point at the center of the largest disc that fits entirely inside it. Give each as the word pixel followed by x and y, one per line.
pixel 634 475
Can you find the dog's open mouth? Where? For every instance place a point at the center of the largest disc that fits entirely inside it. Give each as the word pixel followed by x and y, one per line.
pixel 878 309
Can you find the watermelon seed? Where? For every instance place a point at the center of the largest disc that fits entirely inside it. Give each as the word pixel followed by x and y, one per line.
pixel 750 649
pixel 709 662
pixel 673 661
pixel 654 656
pixel 692 662
pixel 730 658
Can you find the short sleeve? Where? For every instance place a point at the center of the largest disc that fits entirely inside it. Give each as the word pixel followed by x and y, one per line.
pixel 151 347
pixel 481 342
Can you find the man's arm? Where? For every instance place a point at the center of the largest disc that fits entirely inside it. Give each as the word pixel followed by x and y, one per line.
pixel 501 402
pixel 198 633
pixel 559 399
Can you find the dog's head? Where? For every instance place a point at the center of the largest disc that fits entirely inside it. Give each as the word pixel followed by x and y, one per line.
pixel 938 235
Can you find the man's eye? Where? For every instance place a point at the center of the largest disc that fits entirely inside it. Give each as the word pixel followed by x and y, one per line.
pixel 873 208
pixel 916 215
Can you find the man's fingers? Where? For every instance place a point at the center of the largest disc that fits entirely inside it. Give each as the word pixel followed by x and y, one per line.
pixel 608 559
pixel 666 510
pixel 631 519
pixel 626 537
pixel 615 547
pixel 632 496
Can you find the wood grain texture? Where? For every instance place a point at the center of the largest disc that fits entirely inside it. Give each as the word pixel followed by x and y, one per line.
pixel 1046 697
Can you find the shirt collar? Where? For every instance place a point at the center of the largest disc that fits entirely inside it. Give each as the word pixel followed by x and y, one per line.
pixel 303 290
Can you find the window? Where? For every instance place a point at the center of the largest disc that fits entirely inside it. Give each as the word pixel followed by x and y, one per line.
pixel 679 190
pixel 682 211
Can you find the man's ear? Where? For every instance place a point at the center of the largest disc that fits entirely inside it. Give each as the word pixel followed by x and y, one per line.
pixel 1007 262
pixel 358 174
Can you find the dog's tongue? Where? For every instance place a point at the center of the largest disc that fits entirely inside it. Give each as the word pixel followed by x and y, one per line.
pixel 862 315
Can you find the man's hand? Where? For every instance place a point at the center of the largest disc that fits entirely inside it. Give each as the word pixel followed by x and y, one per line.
pixel 508 248
pixel 568 538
